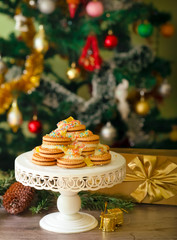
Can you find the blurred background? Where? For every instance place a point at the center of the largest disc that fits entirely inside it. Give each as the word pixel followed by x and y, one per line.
pixel 110 64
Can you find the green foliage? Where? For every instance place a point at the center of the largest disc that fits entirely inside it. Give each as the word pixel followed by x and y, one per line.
pixel 96 201
pixel 6 181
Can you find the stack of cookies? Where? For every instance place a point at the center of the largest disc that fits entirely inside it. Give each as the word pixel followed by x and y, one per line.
pixel 70 145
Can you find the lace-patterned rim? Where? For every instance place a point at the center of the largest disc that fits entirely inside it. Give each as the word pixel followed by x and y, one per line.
pixel 86 181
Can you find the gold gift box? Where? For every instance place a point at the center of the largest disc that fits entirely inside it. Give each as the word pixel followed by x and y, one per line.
pixel 151 176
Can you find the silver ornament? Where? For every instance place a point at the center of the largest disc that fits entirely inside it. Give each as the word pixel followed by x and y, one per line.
pixel 46 6
pixel 108 134
pixel 165 89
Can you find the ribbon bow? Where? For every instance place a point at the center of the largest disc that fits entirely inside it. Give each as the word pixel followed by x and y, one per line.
pixel 158 182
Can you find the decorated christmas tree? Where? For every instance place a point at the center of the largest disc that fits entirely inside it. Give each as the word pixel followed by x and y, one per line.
pixel 110 85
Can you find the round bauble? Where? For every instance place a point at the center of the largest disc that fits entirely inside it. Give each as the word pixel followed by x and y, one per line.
pixel 14 116
pixel 164 89
pixel 35 126
pixel 110 41
pixel 73 72
pixel 40 43
pixel 173 134
pixel 46 6
pixel 94 8
pixel 142 107
pixel 108 134
pixel 145 29
pixel 167 30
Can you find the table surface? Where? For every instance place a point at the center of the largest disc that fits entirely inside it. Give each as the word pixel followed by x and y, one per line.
pixel 144 222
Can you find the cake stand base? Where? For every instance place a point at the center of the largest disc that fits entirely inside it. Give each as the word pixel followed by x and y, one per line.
pixel 80 222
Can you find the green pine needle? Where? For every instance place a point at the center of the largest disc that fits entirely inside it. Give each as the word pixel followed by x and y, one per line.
pixel 96 201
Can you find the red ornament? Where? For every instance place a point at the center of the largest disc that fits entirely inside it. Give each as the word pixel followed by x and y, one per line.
pixel 94 8
pixel 167 30
pixel 34 125
pixel 90 61
pixel 111 40
pixel 73 5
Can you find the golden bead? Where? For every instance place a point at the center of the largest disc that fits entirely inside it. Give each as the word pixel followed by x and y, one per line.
pixel 73 72
pixel 142 107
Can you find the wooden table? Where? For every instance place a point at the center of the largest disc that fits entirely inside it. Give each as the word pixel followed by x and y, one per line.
pixel 145 222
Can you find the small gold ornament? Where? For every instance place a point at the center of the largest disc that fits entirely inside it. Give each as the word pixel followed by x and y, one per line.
pixel 40 43
pixel 111 220
pixel 142 106
pixel 173 134
pixel 73 72
pixel 14 116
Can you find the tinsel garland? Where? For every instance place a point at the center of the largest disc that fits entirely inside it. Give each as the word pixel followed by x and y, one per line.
pixel 100 101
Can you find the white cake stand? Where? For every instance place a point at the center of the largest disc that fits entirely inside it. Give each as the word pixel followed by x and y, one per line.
pixel 69 182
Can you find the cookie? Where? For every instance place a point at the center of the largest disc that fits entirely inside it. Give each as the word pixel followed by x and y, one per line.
pixel 87 153
pixel 79 128
pixel 102 159
pixel 52 140
pixel 43 161
pixel 70 163
pixel 90 142
pixel 50 153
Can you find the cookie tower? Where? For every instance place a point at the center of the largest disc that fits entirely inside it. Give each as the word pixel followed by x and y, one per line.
pixel 70 145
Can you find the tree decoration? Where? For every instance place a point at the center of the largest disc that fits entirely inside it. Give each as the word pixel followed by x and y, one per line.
pixel 73 5
pixel 164 89
pixel 142 106
pixel 73 72
pixel 20 23
pixel 167 30
pixel 35 126
pixel 94 8
pixel 14 116
pixel 108 134
pixel 17 198
pixel 173 134
pixel 145 29
pixel 90 59
pixel 121 94
pixel 27 81
pixel 40 43
pixel 111 40
pixel 46 6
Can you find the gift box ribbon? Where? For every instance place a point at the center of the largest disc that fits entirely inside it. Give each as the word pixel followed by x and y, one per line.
pixel 158 181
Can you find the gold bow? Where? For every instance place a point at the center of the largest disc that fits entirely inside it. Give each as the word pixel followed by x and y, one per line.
pixel 157 183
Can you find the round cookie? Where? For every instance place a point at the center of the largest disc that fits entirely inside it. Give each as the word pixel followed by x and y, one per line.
pixel 79 128
pixel 52 140
pixel 70 163
pixel 102 159
pixel 43 161
pixel 50 153
pixel 90 142
pixel 87 153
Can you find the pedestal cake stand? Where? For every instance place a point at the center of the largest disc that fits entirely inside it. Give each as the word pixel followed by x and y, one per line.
pixel 69 182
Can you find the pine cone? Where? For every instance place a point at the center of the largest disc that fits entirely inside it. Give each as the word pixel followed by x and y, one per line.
pixel 17 198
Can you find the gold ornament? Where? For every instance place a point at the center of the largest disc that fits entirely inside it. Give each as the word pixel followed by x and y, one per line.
pixel 14 116
pixel 111 220
pixel 173 134
pixel 73 72
pixel 40 43
pixel 142 106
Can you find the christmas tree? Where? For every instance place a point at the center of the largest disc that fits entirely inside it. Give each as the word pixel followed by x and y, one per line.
pixel 113 92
